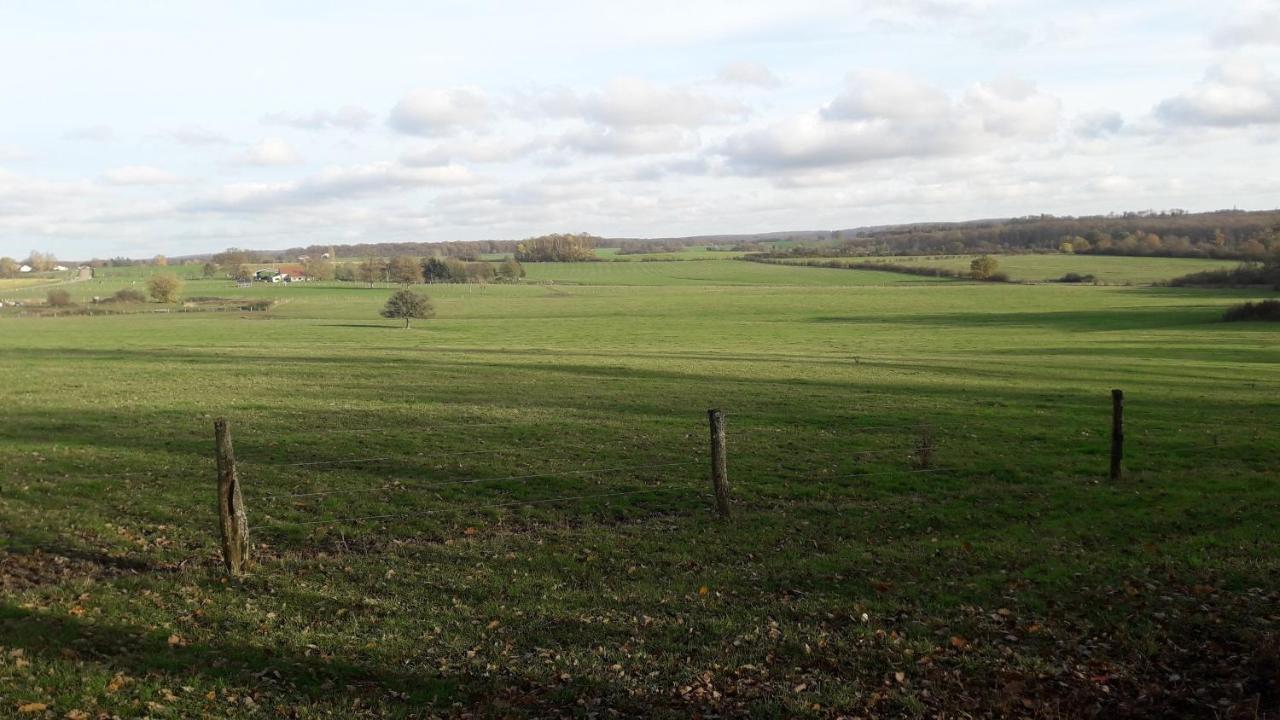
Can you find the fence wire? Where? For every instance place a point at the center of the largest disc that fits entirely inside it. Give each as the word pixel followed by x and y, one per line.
pixel 473 481
pixel 419 513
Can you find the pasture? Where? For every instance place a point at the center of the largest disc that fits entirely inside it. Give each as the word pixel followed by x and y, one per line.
pixel 1108 269
pixel 505 510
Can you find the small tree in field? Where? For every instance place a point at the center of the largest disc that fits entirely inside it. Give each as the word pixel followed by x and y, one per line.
pixel 983 267
pixel 408 304
pixel 164 288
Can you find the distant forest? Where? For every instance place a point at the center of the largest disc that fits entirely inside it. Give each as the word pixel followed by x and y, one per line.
pixel 1227 234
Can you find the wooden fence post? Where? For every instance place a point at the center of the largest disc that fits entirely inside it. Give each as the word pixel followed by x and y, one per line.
pixel 1117 432
pixel 231 516
pixel 719 470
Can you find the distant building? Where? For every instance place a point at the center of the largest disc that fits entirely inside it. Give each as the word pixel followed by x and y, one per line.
pixel 60 268
pixel 25 268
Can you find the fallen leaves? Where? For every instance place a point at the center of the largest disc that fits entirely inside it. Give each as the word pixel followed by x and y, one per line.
pixel 117 682
pixel 34 707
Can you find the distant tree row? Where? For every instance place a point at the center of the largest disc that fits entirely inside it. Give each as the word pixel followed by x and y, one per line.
pixel 407 270
pixel 648 247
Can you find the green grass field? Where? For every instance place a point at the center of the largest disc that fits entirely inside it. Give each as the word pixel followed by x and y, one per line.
pixel 9 284
pixel 1111 270
pixel 505 510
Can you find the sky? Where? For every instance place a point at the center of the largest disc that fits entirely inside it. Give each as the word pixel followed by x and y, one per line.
pixel 143 128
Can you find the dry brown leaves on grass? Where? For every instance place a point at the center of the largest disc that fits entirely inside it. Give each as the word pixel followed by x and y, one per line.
pixel 38 569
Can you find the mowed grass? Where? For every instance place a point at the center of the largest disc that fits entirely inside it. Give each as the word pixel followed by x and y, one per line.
pixel 529 528
pixel 1107 269
pixel 708 273
pixel 8 284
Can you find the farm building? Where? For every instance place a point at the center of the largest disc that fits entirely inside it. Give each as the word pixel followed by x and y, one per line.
pixel 286 274
pixel 25 268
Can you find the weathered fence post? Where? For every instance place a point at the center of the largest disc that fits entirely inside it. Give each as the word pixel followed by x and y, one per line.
pixel 719 470
pixel 231 516
pixel 1117 432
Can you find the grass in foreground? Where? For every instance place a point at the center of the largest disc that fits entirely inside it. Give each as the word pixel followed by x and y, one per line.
pixel 1008 580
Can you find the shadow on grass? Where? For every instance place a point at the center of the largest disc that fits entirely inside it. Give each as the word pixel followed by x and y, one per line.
pixel 137 651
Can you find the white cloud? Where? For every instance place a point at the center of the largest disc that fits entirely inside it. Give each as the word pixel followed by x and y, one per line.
pixel 434 112
pixel 337 183
pixel 810 141
pixel 1098 124
pixel 22 197
pixel 196 136
pixel 873 94
pixel 1012 107
pixel 348 117
pixel 600 140
pixel 272 151
pixel 1258 28
pixel 632 102
pixel 1231 94
pixel 139 175
pixel 474 150
pixel 745 72
pixel 882 115
pixel 11 153
pixel 95 133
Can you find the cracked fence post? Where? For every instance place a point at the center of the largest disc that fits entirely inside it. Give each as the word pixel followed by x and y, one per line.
pixel 1117 432
pixel 719 470
pixel 231 517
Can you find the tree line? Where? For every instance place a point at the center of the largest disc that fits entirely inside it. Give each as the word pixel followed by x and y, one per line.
pixel 1228 234
pixel 407 270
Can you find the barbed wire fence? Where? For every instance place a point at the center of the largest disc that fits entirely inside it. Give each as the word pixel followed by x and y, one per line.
pixel 405 485
pixel 400 478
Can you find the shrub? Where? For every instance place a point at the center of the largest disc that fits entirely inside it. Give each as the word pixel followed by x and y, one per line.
pixel 1261 310
pixel 164 288
pixel 510 270
pixel 1243 275
pixel 983 267
pixel 1076 278
pixel 58 298
pixel 129 295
